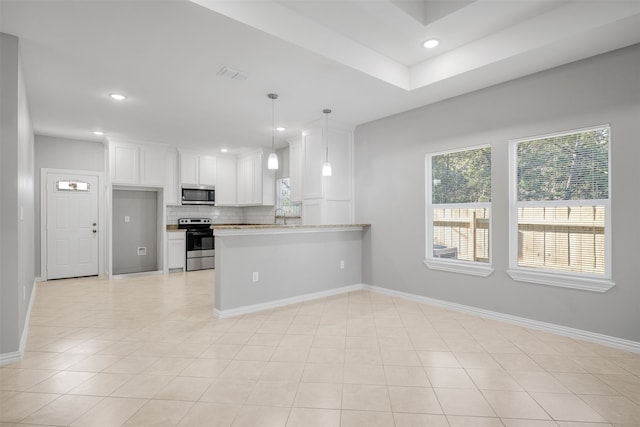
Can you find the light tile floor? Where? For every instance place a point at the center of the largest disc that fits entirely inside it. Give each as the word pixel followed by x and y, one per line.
pixel 147 351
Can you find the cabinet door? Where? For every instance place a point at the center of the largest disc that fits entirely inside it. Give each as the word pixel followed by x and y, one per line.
pixel 247 180
pixel 257 179
pixel 313 159
pixel 189 169
pixel 226 180
pixel 124 164
pixel 295 170
pixel 176 250
pixel 240 193
pixel 207 170
pixel 171 187
pixel 152 166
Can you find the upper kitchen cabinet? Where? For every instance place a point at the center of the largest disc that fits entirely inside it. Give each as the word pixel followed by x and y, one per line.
pixel 172 188
pixel 326 199
pixel 198 170
pixel 296 169
pixel 137 164
pixel 226 181
pixel 255 182
pixel 313 155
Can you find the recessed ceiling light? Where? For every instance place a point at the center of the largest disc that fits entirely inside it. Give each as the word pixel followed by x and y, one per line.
pixel 98 132
pixel 224 150
pixel 117 96
pixel 281 129
pixel 430 44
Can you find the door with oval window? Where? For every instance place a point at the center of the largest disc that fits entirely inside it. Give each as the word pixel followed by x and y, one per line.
pixel 72 225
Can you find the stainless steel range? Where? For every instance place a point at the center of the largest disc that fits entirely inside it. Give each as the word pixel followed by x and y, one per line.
pixel 200 243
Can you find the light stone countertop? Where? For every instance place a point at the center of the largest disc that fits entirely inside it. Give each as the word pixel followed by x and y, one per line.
pixel 287 226
pixel 273 229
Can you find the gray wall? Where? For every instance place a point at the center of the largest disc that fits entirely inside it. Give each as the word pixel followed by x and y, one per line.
pixel 288 264
pixel 390 188
pixel 62 153
pixel 142 230
pixel 16 198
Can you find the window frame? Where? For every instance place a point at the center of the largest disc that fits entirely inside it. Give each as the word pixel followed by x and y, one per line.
pixel 473 268
pixel 574 280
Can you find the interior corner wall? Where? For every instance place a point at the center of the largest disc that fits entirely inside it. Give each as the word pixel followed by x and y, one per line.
pixel 390 189
pixel 16 198
pixel 61 153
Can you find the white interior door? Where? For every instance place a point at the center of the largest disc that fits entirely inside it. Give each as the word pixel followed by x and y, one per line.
pixel 72 225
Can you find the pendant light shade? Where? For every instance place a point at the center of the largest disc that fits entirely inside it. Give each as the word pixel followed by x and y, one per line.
pixel 326 167
pixel 272 162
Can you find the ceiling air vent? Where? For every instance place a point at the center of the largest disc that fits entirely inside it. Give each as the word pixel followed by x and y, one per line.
pixel 232 74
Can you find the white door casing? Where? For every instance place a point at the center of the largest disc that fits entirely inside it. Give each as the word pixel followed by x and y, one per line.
pixel 72 227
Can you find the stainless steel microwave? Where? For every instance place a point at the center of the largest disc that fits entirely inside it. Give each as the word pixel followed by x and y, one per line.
pixel 198 195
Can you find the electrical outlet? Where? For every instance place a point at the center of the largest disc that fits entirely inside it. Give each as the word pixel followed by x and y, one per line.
pixel 142 250
pixel 341 264
pixel 255 276
pixel 127 218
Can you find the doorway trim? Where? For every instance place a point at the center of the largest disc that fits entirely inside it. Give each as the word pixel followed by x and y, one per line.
pixel 102 220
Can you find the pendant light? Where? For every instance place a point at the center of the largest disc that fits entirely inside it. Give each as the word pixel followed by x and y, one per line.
pixel 272 163
pixel 326 167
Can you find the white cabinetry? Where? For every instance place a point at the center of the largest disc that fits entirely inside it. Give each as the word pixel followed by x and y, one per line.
pixel 189 165
pixel 172 188
pixel 327 200
pixel 226 179
pixel 296 168
pixel 207 170
pixel 152 166
pixel 124 163
pixel 137 164
pixel 256 183
pixel 176 250
pixel 313 160
pixel 197 169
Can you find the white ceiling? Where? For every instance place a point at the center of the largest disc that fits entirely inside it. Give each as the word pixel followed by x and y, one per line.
pixel 361 58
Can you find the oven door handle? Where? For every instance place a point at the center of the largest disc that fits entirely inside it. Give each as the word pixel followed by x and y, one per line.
pixel 201 233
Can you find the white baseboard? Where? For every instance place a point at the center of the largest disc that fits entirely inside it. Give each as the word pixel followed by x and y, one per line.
pixel 224 314
pixel 8 358
pixel 515 320
pixel 16 356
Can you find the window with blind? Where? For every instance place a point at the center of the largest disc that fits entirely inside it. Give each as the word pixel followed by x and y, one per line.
pixel 560 209
pixel 459 210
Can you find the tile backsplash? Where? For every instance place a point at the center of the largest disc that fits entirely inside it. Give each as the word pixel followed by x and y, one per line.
pixel 224 215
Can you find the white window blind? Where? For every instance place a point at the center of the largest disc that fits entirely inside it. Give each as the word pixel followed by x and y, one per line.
pixel 459 205
pixel 561 207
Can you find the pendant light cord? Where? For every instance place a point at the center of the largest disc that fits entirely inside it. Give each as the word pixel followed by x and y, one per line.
pixel 273 123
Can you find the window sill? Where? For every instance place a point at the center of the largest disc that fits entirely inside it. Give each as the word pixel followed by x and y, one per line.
pixel 470 268
pixel 561 280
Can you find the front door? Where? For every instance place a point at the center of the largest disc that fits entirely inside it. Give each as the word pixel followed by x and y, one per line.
pixel 72 225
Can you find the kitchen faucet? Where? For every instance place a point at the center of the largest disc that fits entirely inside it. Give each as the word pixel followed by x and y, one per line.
pixel 284 216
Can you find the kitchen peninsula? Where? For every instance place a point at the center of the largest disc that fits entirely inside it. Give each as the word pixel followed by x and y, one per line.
pixel 264 266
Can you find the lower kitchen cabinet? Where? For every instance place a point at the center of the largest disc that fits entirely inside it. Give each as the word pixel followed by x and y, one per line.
pixel 176 250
